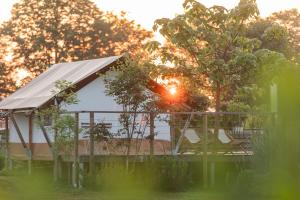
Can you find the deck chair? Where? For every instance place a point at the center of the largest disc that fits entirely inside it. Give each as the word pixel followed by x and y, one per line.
pixel 191 141
pixel 223 137
pixel 192 136
pixel 233 144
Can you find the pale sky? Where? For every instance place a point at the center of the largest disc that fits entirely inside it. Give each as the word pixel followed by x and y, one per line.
pixel 145 12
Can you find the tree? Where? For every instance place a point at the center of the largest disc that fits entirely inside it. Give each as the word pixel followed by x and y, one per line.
pixel 44 32
pixel 216 51
pixel 62 124
pixel 290 19
pixel 278 32
pixel 6 86
pixel 128 85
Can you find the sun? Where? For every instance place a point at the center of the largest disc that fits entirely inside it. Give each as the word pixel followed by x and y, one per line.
pixel 173 90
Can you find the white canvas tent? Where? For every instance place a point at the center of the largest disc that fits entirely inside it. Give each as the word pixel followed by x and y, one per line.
pixel 25 134
pixel 40 90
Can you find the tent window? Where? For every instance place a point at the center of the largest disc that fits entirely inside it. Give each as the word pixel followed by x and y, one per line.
pixel 103 125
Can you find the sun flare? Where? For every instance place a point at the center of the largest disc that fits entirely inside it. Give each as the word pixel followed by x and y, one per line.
pixel 172 90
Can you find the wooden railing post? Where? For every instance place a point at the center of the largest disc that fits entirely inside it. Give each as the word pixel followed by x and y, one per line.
pixel 204 161
pixel 92 145
pixel 30 138
pixel 76 157
pixel 7 157
pixel 151 134
pixel 172 132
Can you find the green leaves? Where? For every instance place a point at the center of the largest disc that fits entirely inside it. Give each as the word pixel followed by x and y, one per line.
pixel 210 43
pixel 44 32
pixel 63 124
pixel 64 92
pixel 127 84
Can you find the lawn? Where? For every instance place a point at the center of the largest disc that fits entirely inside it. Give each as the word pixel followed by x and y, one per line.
pixel 14 189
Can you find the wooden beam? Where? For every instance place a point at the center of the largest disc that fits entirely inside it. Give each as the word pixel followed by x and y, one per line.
pixel 92 145
pixel 151 134
pixel 45 134
pixel 18 130
pixel 30 132
pixel 180 139
pixel 28 151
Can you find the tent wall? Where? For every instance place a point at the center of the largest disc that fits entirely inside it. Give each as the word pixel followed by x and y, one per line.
pixel 91 97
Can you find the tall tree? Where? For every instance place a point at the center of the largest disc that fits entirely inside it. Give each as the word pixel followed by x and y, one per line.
pixel 272 35
pixel 216 49
pixel 129 88
pixel 290 19
pixel 44 32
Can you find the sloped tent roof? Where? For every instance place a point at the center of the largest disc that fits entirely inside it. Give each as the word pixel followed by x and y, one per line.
pixel 40 89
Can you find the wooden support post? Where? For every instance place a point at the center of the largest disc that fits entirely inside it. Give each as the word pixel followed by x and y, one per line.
pixel 55 152
pixel 212 173
pixel 172 132
pixel 46 136
pixel 151 135
pixel 7 157
pixel 214 149
pixel 76 158
pixel 92 144
pixel 205 174
pixel 28 151
pixel 69 166
pixel 30 132
pixel 30 138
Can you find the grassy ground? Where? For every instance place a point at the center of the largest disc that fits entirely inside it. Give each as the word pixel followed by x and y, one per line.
pixel 16 189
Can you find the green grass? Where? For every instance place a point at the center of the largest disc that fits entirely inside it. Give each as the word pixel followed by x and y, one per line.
pixel 12 188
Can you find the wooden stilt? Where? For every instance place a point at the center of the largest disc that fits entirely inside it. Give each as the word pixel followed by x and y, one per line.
pixel 59 168
pixel 151 135
pixel 30 132
pixel 55 154
pixel 92 148
pixel 172 132
pixel 212 174
pixel 30 139
pixel 7 157
pixel 205 174
pixel 76 158
pixel 69 165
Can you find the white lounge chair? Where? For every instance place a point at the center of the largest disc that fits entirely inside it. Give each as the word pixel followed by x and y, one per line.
pixel 192 136
pixel 223 137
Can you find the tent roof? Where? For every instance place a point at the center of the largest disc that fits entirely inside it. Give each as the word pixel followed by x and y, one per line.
pixel 40 89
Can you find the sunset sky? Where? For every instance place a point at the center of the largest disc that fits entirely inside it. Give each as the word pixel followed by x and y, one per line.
pixel 145 12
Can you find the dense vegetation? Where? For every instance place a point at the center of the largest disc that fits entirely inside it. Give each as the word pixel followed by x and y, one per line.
pixel 217 58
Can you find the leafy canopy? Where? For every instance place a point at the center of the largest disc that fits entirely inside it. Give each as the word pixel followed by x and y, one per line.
pixel 213 49
pixel 44 32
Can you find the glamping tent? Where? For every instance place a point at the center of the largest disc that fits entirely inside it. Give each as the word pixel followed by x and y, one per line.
pixel 27 139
